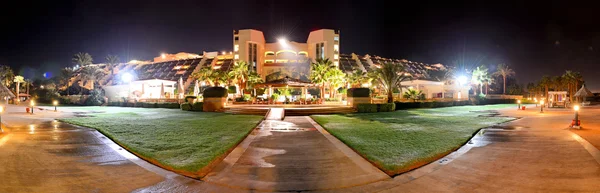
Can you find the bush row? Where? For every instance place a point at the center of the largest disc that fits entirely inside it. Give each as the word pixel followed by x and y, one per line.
pixel 373 108
pixel 145 105
pixel 197 106
pixel 434 104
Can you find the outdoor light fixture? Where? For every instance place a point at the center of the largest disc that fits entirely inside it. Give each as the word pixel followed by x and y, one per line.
pixel 541 106
pixel 462 80
pixel 55 103
pixel 127 77
pixel 282 42
pixel 32 104
pixel 519 102
pixel 163 56
pixel 576 123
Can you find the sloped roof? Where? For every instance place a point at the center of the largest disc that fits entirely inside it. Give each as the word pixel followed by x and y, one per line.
pixel 583 92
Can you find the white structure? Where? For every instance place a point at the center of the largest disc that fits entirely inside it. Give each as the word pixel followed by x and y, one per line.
pixel 143 89
pixel 437 90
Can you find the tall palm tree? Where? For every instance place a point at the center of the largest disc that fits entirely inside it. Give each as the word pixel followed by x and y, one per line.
pixel 531 89
pixel 479 77
pixel 557 83
pixel 504 71
pixel 253 79
pixel 545 83
pixel 18 80
pixel 204 75
pixel 569 79
pixel 239 73
pixel 82 59
pixel 578 80
pixel 65 78
pixel 336 78
pixel 390 75
pixel 111 61
pixel 92 74
pixel 6 75
pixel 357 78
pixel 319 71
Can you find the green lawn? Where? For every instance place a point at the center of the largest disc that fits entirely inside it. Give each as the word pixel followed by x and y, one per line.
pixel 400 141
pixel 180 140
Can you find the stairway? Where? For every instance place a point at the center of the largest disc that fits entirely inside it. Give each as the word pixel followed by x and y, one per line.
pixel 275 114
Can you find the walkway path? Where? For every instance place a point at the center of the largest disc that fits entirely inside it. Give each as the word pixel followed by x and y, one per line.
pixel 534 154
pixel 292 155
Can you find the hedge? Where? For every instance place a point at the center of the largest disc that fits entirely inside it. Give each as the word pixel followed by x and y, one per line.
pixel 367 108
pixel 189 97
pixel 169 105
pixel 359 92
pixel 197 106
pixel 150 105
pixel 186 106
pixel 138 104
pixel 386 107
pixel 215 92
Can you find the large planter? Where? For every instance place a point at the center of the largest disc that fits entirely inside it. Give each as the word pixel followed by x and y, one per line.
pixel 214 104
pixel 354 101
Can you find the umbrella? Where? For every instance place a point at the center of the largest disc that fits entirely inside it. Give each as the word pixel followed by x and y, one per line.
pixel 162 90
pixel 196 88
pixel 181 89
pixel 5 93
pixel 583 92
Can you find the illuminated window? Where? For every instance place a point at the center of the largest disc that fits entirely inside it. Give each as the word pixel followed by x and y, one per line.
pixel 302 53
pixel 336 63
pixel 186 67
pixel 335 56
pixel 336 38
pixel 336 47
pixel 269 53
pixel 236 56
pixel 236 48
pixel 268 61
pixel 281 61
pixel 176 67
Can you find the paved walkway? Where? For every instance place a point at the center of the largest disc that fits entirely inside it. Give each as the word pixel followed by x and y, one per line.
pixel 534 154
pixel 292 155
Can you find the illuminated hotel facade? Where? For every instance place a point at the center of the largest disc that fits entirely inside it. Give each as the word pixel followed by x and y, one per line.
pixel 272 61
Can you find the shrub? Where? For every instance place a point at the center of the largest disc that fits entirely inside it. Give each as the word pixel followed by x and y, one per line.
pixel 139 104
pixel 215 92
pixel 367 108
pixel 197 106
pixel 247 97
pixel 359 92
pixel 130 104
pixel 387 107
pixel 96 98
pixel 190 98
pixel 64 100
pixel 149 105
pixel 231 89
pixel 332 99
pixel 186 106
pixel 408 105
pixel 274 96
pixel 426 105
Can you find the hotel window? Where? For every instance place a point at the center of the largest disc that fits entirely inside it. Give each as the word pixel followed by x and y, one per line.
pixel 320 50
pixel 252 55
pixel 236 48
pixel 336 47
pixel 237 38
pixel 335 56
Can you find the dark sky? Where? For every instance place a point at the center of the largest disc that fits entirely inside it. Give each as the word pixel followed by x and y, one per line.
pixel 534 38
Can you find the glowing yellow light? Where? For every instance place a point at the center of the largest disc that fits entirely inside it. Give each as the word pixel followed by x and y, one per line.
pixel 576 107
pixel 1 109
pixel 236 48
pixel 163 56
pixel 223 53
pixel 32 103
pixel 336 47
pixel 519 101
pixel 55 103
pixel 236 57
pixel 542 102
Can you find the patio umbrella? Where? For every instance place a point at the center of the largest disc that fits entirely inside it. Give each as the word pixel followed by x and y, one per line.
pixel 583 92
pixel 5 93
pixel 181 89
pixel 196 89
pixel 162 90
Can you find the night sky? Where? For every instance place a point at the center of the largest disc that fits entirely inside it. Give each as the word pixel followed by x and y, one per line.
pixel 534 38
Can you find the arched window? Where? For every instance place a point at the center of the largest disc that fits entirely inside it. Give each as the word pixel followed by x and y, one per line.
pixel 269 53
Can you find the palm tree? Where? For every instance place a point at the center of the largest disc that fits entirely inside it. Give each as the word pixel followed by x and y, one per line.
pixel 390 75
pixel 204 75
pixel 545 83
pixel 319 71
pixel 111 61
pixel 336 78
pixel 413 94
pixel 18 80
pixel 357 78
pixel 6 75
pixel 578 80
pixel 253 79
pixel 531 88
pixel 65 78
pixel 504 71
pixel 557 83
pixel 480 76
pixel 92 74
pixel 82 59
pixel 239 73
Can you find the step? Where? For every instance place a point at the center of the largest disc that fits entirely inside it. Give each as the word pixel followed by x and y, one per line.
pixel 275 114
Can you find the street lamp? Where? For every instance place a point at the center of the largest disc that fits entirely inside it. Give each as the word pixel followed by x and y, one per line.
pixel 541 106
pixel 32 104
pixel 576 123
pixel 55 103
pixel 519 102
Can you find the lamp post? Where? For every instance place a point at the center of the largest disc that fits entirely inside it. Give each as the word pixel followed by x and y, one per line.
pixel 576 123
pixel 127 77
pixel 55 103
pixel 519 102
pixel 541 106
pixel 32 104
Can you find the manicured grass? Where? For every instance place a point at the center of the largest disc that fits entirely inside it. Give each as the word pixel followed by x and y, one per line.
pixel 180 140
pixel 400 141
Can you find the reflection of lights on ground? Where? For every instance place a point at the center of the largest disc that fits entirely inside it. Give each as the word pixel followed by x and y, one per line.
pixel 31 129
